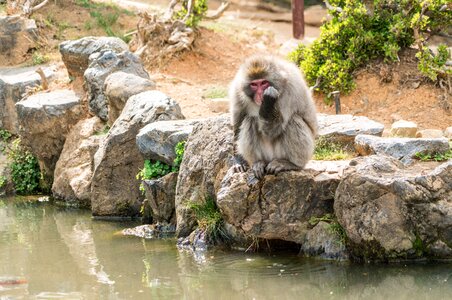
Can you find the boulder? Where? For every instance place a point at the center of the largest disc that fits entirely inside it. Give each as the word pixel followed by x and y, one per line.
pixel 403 149
pixel 430 134
pixel 101 65
pixel 14 82
pixel 207 158
pixel 322 241
pixel 160 195
pixel 18 36
pixel 391 211
pixel 75 54
pixel 45 119
pixel 114 188
pixel 150 231
pixel 342 129
pixel 218 105
pixel 156 141
pixel 279 207
pixel 74 169
pixel 448 133
pixel 119 87
pixel 404 128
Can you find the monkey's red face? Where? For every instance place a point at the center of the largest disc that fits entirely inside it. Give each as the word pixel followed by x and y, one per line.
pixel 259 86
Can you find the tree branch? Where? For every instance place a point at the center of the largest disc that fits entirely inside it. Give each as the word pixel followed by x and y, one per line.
pixel 219 12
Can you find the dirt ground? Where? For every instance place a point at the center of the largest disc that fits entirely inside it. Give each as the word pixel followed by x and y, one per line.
pixel 385 94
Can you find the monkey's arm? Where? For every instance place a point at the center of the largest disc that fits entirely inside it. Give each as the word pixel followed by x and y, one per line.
pixel 270 113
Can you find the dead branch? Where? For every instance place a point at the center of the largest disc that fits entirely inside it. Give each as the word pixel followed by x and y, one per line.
pixel 219 12
pixel 44 82
pixel 334 8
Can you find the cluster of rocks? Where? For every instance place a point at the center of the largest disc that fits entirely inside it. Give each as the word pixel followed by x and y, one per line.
pixel 91 146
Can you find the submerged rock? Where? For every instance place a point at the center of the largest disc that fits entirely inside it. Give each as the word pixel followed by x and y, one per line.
pixel 45 119
pixel 119 87
pixel 75 54
pixel 207 158
pixel 403 149
pixel 74 169
pixel 156 141
pixel 115 189
pixel 150 231
pixel 342 129
pixel 101 65
pixel 160 195
pixel 390 211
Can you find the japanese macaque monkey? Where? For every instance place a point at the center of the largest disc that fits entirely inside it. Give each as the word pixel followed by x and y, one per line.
pixel 273 116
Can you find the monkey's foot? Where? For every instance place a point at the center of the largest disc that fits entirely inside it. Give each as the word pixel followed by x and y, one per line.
pixel 280 165
pixel 259 169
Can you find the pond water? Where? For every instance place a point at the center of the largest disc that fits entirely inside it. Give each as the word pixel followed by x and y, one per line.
pixel 51 252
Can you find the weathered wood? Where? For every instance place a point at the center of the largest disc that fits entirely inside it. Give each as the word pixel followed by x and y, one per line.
pixel 298 19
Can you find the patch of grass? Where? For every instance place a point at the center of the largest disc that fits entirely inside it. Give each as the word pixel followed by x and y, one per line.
pixel 325 150
pixel 3 181
pixel 209 219
pixel 434 156
pixel 215 92
pixel 37 58
pixel 103 131
pixel 333 226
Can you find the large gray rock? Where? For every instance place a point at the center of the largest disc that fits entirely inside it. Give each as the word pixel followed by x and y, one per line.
pixel 208 156
pixel 119 87
pixel 45 119
pixel 18 35
pixel 156 141
pixel 74 169
pixel 14 82
pixel 101 65
pixel 342 129
pixel 115 189
pixel 75 54
pixel 279 207
pixel 390 211
pixel 323 241
pixel 403 149
pixel 160 196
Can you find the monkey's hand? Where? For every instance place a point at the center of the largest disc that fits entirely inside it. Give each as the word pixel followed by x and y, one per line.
pixel 280 165
pixel 240 165
pixel 268 110
pixel 259 169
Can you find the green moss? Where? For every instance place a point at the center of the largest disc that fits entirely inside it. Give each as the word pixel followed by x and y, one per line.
pixel 333 226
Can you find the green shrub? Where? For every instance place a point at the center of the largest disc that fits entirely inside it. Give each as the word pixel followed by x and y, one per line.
pixel 198 12
pixel 38 58
pixel 25 173
pixel 356 34
pixel 434 156
pixel 179 149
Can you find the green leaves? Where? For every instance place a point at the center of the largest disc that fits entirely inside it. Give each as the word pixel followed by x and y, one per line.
pixel 198 12
pixel 24 167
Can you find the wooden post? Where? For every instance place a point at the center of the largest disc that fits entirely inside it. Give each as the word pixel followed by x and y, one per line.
pixel 298 18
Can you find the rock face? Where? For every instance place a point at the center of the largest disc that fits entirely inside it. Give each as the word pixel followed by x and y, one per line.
pixel 115 189
pixel 207 158
pixel 322 241
pixel 18 36
pixel 75 54
pixel 279 207
pixel 101 65
pixel 403 149
pixel 119 87
pixel 404 128
pixel 342 129
pixel 45 119
pixel 156 141
pixel 160 195
pixel 74 169
pixel 14 83
pixel 389 211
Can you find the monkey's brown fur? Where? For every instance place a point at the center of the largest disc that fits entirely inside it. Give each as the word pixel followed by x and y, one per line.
pixel 279 134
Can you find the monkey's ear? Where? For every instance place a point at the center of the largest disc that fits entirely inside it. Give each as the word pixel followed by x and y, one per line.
pixel 271 92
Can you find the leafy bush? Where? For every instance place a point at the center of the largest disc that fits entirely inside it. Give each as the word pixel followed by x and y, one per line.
pixel 198 12
pixel 25 172
pixel 357 34
pixel 434 156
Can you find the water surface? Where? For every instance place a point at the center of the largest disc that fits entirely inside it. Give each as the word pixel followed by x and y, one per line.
pixel 52 252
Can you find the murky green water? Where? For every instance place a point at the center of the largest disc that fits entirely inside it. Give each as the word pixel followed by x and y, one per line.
pixel 51 252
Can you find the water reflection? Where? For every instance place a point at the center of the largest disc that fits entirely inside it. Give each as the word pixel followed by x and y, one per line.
pixel 63 253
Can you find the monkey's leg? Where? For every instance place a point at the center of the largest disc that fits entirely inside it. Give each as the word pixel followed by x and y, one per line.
pixel 280 165
pixel 240 165
pixel 259 169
